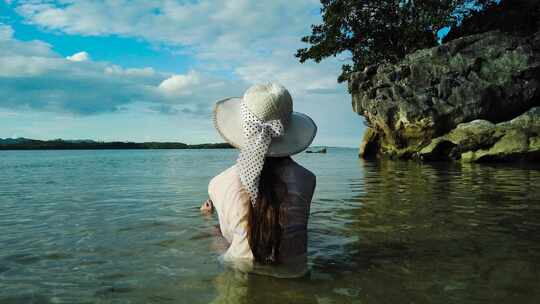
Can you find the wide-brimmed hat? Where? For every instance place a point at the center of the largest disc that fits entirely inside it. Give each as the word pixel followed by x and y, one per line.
pixel 267 102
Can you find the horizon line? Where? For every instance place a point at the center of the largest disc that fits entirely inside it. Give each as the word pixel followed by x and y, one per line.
pixel 150 141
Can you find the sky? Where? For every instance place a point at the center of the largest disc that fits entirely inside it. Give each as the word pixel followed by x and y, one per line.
pixel 152 70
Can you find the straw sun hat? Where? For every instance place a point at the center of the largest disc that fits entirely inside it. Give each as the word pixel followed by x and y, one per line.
pixel 265 103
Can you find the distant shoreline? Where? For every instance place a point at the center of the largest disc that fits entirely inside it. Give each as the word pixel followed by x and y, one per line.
pixel 59 144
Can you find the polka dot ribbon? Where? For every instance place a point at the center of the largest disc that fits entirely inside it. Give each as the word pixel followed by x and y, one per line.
pixel 258 136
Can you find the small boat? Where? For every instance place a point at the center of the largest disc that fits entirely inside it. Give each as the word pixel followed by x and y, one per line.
pixel 319 150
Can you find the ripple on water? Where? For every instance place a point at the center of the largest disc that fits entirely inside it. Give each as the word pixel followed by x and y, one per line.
pixel 124 226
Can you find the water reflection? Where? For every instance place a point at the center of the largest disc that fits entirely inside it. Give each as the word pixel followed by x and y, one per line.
pixel 233 286
pixel 441 233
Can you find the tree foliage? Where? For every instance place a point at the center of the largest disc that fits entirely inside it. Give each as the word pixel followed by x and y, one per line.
pixel 380 31
pixel 515 17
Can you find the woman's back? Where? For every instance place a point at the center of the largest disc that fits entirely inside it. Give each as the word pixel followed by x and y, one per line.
pixel 269 193
pixel 294 209
pixel 232 205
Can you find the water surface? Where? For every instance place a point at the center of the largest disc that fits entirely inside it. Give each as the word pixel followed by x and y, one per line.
pixel 122 226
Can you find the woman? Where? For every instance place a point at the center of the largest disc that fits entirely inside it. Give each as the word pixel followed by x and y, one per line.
pixel 263 200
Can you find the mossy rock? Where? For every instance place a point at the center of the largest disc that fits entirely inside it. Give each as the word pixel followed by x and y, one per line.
pixel 483 141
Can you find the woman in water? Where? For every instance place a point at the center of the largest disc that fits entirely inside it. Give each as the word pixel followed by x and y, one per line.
pixel 263 200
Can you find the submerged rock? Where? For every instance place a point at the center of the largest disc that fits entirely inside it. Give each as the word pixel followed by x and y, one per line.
pixel 447 101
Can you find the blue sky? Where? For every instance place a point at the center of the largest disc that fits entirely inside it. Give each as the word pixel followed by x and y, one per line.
pixel 152 70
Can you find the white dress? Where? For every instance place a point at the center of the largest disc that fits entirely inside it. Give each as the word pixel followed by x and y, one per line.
pixel 232 206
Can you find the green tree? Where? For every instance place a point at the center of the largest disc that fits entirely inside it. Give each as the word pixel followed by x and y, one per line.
pixel 380 31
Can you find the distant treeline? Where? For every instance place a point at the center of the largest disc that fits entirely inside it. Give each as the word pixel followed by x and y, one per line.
pixel 32 144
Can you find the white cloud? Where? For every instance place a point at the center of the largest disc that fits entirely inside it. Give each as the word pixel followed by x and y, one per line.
pixel 180 84
pixel 6 32
pixel 12 47
pixel 254 41
pixel 33 77
pixel 78 57
pixel 142 72
pixel 180 22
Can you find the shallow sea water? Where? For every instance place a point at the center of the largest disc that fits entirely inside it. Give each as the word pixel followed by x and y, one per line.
pixel 124 227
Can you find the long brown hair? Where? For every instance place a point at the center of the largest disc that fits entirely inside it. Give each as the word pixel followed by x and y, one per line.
pixel 264 226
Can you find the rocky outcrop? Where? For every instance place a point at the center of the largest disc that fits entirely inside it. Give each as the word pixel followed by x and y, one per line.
pixel 483 141
pixel 421 101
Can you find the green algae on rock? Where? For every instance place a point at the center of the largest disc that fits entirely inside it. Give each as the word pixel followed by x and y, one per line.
pixel 483 141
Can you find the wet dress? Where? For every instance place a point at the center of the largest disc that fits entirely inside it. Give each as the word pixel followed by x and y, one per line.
pixel 231 203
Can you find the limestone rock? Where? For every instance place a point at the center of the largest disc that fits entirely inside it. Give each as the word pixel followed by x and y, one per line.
pixel 492 77
pixel 369 146
pixel 483 141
